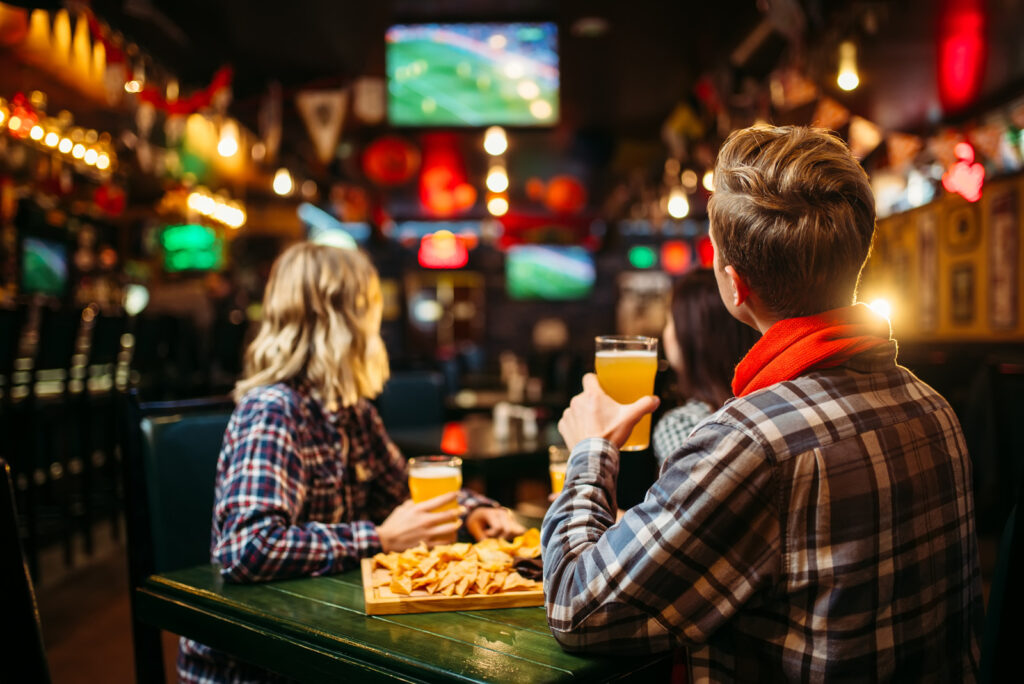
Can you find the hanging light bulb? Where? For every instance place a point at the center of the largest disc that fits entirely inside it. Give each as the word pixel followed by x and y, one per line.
pixel 709 180
pixel 228 145
pixel 497 179
pixel 495 141
pixel 678 205
pixel 847 78
pixel 283 182
pixel 497 205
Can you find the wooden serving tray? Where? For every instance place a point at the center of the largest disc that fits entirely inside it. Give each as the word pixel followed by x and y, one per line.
pixel 378 605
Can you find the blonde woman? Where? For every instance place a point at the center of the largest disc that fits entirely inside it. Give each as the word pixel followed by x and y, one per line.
pixel 308 481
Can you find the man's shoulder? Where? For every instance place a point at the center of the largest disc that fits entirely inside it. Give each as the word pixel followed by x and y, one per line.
pixel 827 406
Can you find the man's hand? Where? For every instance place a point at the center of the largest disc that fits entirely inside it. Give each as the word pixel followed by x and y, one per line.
pixel 410 523
pixel 594 414
pixel 488 521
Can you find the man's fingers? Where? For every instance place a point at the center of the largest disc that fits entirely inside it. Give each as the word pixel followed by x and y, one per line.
pixel 590 383
pixel 437 501
pixel 642 406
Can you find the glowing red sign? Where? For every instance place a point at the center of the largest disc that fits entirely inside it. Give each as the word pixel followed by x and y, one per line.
pixel 442 250
pixel 675 257
pixel 962 52
pixel 706 251
pixel 965 177
pixel 453 439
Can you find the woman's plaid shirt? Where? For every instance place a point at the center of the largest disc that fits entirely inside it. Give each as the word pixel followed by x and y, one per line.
pixel 821 529
pixel 300 491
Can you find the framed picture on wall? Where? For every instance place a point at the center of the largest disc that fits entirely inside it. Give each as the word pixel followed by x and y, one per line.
pixel 963 234
pixel 1003 261
pixel 962 294
pixel 928 273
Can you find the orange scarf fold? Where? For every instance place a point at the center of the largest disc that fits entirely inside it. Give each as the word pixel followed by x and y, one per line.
pixel 794 345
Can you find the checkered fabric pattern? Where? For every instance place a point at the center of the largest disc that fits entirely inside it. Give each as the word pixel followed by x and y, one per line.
pixel 675 426
pixel 818 530
pixel 300 491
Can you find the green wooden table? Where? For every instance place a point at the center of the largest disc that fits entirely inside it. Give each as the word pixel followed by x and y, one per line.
pixel 315 630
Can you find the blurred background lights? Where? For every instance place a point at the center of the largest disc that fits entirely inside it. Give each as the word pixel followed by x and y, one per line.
pixel 497 179
pixel 882 308
pixel 678 205
pixel 283 182
pixel 495 141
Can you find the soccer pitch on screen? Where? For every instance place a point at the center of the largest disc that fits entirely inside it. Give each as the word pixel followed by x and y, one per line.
pixel 473 74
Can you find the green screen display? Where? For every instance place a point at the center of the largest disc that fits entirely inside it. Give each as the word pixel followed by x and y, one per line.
pixel 192 247
pixel 44 266
pixel 473 74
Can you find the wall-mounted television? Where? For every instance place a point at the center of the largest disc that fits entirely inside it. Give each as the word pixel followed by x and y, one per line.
pixel 44 266
pixel 323 229
pixel 548 272
pixel 191 247
pixel 473 74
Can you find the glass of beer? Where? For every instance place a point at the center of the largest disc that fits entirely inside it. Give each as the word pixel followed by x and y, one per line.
pixel 558 458
pixel 431 476
pixel 625 368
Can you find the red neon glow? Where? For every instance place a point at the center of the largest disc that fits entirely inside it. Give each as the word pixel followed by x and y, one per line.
pixel 443 187
pixel 453 439
pixel 705 251
pixel 962 50
pixel 675 257
pixel 965 177
pixel 442 250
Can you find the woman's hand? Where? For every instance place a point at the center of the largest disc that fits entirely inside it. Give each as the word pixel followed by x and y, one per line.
pixel 411 523
pixel 488 521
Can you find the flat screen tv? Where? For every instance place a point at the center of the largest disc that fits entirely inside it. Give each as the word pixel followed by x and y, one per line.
pixel 548 272
pixel 473 74
pixel 44 266
pixel 191 247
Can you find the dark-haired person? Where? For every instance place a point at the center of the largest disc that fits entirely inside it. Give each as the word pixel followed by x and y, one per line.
pixel 703 344
pixel 820 526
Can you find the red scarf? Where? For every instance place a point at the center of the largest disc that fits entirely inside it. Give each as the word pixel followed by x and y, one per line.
pixel 794 345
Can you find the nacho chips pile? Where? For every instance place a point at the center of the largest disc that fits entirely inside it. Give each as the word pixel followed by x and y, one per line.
pixel 486 567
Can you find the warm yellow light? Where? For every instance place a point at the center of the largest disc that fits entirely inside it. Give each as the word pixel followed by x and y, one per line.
pixel 709 181
pixel 78 151
pixel 497 205
pixel 102 162
pixel 528 90
pixel 689 179
pixel 3 116
pixel 91 156
pixel 15 123
pixel 283 182
pixel 847 78
pixel 51 139
pixel 228 144
pixel 36 133
pixel 882 308
pixel 65 145
pixel 495 141
pixel 497 179
pixel 132 86
pixel 541 109
pixel 678 205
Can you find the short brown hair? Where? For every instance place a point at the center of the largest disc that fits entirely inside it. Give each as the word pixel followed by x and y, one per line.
pixel 794 214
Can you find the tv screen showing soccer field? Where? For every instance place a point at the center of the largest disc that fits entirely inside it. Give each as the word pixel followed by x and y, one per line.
pixel 548 272
pixel 473 74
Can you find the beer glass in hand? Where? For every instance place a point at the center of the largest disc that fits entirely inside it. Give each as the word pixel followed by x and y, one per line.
pixel 625 367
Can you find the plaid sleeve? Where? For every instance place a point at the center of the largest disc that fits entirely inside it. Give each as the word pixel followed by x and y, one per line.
pixel 677 566
pixel 261 492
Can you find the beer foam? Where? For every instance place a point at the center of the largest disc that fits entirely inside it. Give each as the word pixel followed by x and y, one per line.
pixel 558 467
pixel 627 353
pixel 434 472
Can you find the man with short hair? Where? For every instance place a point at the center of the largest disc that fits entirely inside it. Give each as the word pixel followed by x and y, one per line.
pixel 820 525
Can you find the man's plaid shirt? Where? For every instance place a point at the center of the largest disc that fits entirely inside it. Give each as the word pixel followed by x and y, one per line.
pixel 821 529
pixel 300 491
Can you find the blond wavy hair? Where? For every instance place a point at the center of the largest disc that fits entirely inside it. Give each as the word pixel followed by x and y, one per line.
pixel 321 324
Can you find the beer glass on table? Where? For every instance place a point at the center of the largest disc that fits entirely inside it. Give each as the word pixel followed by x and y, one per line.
pixel 558 458
pixel 625 366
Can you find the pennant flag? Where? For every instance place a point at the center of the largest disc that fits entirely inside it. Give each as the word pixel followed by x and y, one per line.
pixel 864 137
pixel 323 112
pixel 791 89
pixel 902 148
pixel 368 100
pixel 985 139
pixel 269 118
pixel 830 114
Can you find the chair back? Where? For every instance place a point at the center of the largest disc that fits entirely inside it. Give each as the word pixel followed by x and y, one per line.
pixel 1005 604
pixel 169 463
pixel 21 650
pixel 412 399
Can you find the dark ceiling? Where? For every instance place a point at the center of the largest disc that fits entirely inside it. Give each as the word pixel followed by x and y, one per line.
pixel 623 82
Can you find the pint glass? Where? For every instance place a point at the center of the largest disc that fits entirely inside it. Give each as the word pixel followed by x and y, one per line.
pixel 625 368
pixel 431 476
